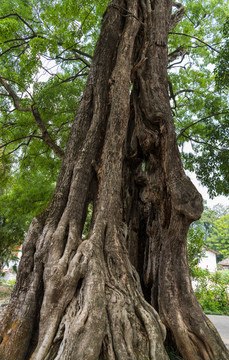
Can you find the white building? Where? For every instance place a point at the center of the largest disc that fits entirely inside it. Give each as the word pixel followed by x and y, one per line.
pixel 208 261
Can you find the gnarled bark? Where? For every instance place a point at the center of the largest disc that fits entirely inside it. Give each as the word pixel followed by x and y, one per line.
pixel 82 298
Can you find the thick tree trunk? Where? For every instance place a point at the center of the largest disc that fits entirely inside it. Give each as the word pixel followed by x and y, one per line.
pixel 83 299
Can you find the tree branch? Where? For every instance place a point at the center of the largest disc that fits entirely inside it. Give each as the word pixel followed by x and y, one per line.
pixel 172 96
pixel 179 52
pixel 75 51
pixel 13 47
pixel 177 16
pixel 198 121
pixel 74 59
pixel 4 94
pixel 20 39
pixel 83 53
pixel 17 15
pixel 197 141
pixel 183 91
pixel 72 78
pixel 14 96
pixel 194 37
pixel 18 139
pixel 45 135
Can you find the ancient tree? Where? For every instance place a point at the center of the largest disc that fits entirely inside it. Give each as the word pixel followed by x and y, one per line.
pixel 125 290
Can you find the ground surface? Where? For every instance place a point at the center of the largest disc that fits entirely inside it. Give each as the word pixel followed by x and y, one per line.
pixel 222 325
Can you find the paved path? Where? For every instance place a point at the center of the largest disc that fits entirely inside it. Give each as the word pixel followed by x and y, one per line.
pixel 222 325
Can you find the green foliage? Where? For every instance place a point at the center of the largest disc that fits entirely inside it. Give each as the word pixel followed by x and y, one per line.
pixel 6 287
pixel 224 276
pixel 212 230
pixel 208 217
pixel 220 276
pixel 219 237
pixel 197 273
pixel 26 195
pixel 46 48
pixel 195 243
pixel 222 64
pixel 200 106
pixel 45 54
pixel 212 295
pixel 88 220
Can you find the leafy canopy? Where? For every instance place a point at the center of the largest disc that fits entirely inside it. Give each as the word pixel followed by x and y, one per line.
pixel 45 53
pixel 199 103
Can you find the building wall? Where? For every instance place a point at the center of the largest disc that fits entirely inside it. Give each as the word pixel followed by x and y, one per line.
pixel 208 261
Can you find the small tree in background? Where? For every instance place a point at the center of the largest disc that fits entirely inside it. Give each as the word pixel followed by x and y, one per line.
pixel 195 243
pixel 219 237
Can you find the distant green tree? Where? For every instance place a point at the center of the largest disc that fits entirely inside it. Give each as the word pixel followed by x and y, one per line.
pixel 209 216
pixel 195 243
pixel 23 197
pixel 219 238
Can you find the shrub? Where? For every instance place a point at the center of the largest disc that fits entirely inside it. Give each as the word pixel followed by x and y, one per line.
pixel 211 293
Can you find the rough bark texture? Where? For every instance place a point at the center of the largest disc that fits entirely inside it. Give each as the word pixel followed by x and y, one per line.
pixel 90 299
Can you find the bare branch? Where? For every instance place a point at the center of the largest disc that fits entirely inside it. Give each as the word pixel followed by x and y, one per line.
pixel 75 52
pixel 71 78
pixel 198 121
pixel 4 94
pixel 177 63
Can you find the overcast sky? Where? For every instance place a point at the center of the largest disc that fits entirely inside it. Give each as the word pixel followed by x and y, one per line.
pixel 223 200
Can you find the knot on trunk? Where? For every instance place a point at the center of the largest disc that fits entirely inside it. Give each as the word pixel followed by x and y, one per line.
pixel 186 199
